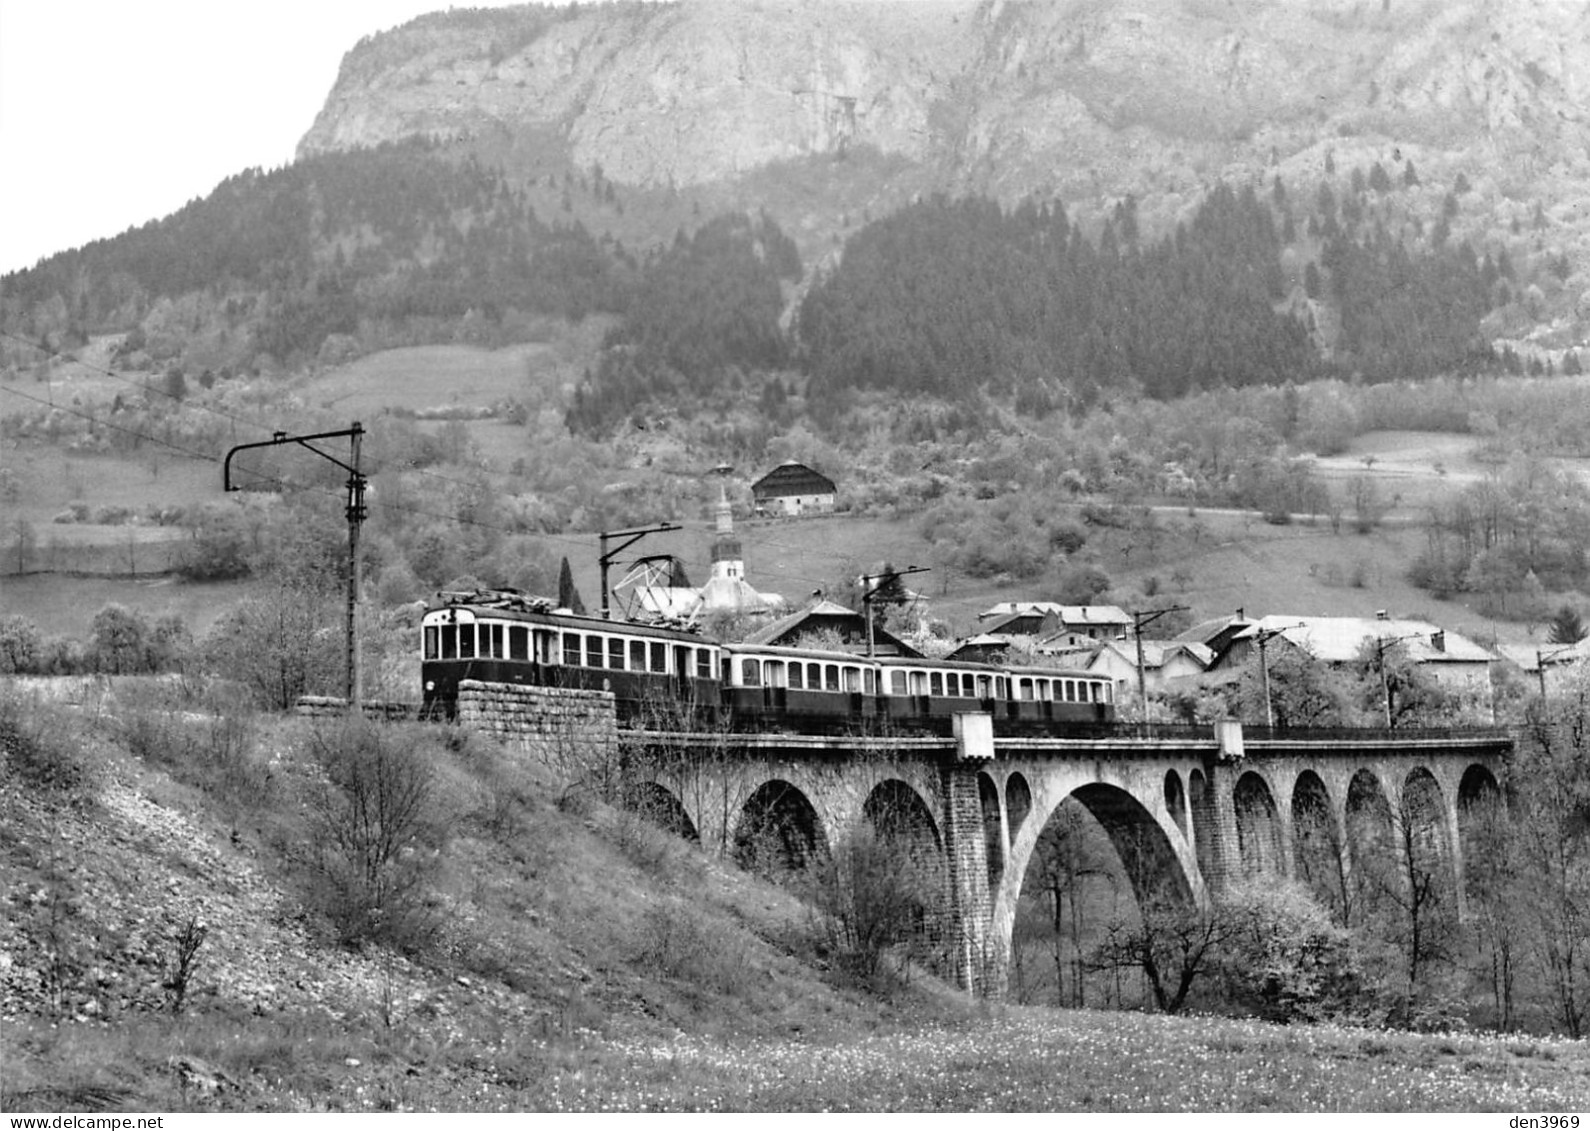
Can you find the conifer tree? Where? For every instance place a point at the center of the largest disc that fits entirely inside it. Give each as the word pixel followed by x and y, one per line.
pixel 568 596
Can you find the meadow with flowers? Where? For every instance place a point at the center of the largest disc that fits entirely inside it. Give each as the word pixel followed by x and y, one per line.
pixel 1004 1060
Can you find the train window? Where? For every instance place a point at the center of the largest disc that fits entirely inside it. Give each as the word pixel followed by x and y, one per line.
pixel 432 648
pixel 637 655
pixel 936 683
pixel 984 687
pixel 919 683
pixel 1098 693
pixel 571 648
pixel 449 642
pixel 852 679
pixel 1043 689
pixel 466 641
pixel 773 671
pixel 615 653
pixel 497 648
pixel 797 675
pixel 659 656
pixel 518 642
pixel 593 651
pixel 897 683
pixel 751 673
pixel 1024 689
pixel 704 663
pixel 870 681
pixel 830 677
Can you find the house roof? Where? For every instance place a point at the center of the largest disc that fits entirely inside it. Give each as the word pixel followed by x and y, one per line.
pixel 1339 639
pixel 1021 608
pixel 792 478
pixel 1157 653
pixel 1533 657
pixel 1210 631
pixel 1069 614
pixel 1020 623
pixel 825 614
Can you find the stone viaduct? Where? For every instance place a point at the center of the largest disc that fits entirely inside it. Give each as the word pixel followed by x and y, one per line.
pixel 1188 809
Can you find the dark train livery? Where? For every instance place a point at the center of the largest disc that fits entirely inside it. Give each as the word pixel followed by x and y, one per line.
pixel 666 677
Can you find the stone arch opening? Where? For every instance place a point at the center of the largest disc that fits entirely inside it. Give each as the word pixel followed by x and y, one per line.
pixel 1201 803
pixel 1258 827
pixel 1317 860
pixel 1482 829
pixel 1176 800
pixel 1478 786
pixel 778 833
pixel 897 872
pixel 895 811
pixel 1425 840
pixel 657 804
pixel 1422 916
pixel 993 829
pixel 1102 864
pixel 1371 847
pixel 1145 852
pixel 1018 802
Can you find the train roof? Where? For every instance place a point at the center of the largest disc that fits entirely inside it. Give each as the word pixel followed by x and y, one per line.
pixel 1051 673
pixel 513 605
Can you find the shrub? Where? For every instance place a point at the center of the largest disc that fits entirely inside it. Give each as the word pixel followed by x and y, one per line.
pixel 21 646
pixel 872 895
pixel 376 834
pixel 45 748
pixel 1284 959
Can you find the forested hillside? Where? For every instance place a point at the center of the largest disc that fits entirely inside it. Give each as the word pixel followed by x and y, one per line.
pixel 394 245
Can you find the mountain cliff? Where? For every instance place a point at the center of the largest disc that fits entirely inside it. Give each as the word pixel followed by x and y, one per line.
pixel 1082 98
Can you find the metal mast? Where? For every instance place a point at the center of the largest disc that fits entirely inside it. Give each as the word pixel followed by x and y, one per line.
pixel 356 512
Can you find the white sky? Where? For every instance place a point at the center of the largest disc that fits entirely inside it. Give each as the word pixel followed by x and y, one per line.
pixel 115 112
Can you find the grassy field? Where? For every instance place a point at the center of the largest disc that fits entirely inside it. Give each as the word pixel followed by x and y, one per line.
pixel 1213 561
pixel 588 962
pixel 996 1059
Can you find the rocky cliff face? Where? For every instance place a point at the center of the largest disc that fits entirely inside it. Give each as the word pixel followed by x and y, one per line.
pixel 1077 97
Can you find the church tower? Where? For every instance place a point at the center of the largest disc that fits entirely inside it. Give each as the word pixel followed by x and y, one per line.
pixel 728 559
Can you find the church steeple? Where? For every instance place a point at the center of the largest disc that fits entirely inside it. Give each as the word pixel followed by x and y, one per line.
pixel 728 559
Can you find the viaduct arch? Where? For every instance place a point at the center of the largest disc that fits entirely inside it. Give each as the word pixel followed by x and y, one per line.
pixel 1188 810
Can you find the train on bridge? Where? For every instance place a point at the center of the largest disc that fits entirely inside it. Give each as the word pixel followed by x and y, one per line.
pixel 668 678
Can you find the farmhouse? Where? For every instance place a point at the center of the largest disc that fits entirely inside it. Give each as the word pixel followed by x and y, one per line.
pixel 827 624
pixel 792 488
pixel 1456 663
pixel 1032 618
pixel 1164 662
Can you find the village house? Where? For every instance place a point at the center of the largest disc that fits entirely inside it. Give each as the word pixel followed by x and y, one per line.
pixel 792 489
pixel 1041 618
pixel 830 625
pixel 1457 664
pixel 1164 662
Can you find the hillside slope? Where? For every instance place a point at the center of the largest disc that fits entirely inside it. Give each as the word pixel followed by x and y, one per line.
pixel 551 921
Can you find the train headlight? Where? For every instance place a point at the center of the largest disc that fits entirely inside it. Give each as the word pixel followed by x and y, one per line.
pixel 430 685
